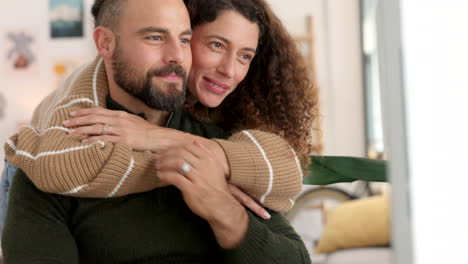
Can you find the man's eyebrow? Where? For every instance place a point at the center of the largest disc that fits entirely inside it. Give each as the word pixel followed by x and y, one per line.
pixel 152 29
pixel 229 42
pixel 161 30
pixel 187 32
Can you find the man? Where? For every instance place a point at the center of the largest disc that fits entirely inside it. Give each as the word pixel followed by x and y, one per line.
pixel 146 55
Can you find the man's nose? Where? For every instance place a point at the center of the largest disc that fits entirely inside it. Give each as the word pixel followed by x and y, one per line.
pixel 174 52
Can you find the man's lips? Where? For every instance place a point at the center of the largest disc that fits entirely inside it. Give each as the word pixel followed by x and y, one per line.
pixel 170 77
pixel 215 86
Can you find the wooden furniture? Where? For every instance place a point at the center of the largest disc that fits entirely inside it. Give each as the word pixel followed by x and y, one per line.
pixel 306 44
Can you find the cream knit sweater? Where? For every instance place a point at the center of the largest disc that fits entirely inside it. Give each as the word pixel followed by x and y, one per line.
pixel 262 164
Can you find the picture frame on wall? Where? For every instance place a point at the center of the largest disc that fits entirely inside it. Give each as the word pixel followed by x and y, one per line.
pixel 21 52
pixel 66 18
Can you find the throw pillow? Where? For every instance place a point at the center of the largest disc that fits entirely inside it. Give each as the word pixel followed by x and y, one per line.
pixel 356 223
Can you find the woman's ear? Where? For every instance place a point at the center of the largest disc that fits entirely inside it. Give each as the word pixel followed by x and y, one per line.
pixel 104 39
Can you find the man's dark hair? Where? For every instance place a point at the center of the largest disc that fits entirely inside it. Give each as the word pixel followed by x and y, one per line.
pixel 107 13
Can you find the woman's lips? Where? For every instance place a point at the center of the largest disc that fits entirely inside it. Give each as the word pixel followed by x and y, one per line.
pixel 216 87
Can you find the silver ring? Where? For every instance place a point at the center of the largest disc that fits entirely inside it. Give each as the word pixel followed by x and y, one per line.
pixel 104 129
pixel 185 168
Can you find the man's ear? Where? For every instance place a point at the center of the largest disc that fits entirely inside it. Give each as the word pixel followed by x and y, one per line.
pixel 104 39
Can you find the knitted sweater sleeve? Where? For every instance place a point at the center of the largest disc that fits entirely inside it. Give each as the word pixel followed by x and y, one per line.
pixel 262 164
pixel 58 162
pixel 265 166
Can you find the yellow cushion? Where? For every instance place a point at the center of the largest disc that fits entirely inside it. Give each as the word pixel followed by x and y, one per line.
pixel 357 223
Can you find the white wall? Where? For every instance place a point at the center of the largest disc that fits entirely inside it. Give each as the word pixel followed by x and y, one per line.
pixel 338 64
pixel 339 67
pixel 435 58
pixel 24 91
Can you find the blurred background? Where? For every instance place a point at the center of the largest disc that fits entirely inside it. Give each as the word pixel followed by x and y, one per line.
pixel 43 43
pixel 422 68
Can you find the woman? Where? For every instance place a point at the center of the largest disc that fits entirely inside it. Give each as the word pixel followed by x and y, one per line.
pixel 272 93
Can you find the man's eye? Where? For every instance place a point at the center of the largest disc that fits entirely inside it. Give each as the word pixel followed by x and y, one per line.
pixel 185 40
pixel 157 38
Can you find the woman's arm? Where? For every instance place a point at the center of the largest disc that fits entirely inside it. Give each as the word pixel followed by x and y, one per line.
pixel 58 162
pixel 265 166
pixel 260 163
pixel 243 237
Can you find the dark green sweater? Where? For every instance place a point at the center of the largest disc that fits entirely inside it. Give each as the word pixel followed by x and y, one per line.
pixel 152 227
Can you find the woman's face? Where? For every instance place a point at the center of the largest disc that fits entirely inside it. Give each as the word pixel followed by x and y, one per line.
pixel 221 55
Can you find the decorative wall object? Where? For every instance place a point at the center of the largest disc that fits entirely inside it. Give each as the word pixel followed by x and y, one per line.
pixel 66 18
pixel 21 51
pixel 64 66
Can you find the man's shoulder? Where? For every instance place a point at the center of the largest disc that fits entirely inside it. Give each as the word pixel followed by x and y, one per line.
pixel 184 121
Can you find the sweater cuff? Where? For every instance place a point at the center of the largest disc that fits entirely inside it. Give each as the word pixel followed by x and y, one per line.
pixel 248 168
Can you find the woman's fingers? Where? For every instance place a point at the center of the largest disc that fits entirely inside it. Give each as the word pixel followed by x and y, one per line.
pixel 180 161
pixel 97 129
pixel 95 110
pixel 248 202
pixel 88 120
pixel 175 179
pixel 105 138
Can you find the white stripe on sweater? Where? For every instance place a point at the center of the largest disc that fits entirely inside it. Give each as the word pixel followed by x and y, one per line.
pixel 127 173
pixel 49 153
pixel 75 190
pixel 270 168
pixel 79 100
pixel 96 71
pixel 299 167
pixel 11 144
pixel 48 129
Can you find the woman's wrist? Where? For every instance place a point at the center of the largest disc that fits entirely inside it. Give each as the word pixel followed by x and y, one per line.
pixel 161 138
pixel 221 156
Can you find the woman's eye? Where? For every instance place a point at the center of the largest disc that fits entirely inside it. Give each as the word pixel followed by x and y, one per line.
pixel 247 57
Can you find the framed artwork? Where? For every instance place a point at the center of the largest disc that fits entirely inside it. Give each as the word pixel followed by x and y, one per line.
pixel 66 18
pixel 21 51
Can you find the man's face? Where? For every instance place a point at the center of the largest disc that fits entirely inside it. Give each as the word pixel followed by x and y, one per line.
pixel 152 54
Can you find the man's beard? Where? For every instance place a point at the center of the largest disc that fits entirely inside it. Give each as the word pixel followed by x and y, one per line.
pixel 152 95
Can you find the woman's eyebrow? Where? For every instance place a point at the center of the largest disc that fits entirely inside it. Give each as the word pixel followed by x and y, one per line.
pixel 229 42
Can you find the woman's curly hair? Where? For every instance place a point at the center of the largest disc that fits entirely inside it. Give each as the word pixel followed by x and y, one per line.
pixel 276 95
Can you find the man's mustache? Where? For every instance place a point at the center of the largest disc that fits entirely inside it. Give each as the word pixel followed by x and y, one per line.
pixel 169 69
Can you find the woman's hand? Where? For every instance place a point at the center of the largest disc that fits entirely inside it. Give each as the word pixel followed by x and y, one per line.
pixel 248 202
pixel 205 170
pixel 121 127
